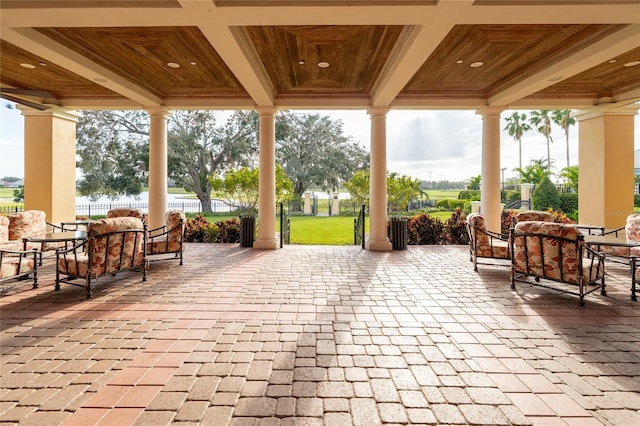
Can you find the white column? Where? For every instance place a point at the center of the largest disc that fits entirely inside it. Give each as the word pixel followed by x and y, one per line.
pixel 490 183
pixel 158 186
pixel 378 240
pixel 267 182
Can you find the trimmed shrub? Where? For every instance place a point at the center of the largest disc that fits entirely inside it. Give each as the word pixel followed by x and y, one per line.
pixel 560 217
pixel 443 204
pixel 546 195
pixel 469 194
pixel 455 231
pixel 568 202
pixel 636 200
pixel 512 196
pixel 424 229
pixel 456 204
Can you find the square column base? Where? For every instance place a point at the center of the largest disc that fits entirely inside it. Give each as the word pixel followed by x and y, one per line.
pixel 379 245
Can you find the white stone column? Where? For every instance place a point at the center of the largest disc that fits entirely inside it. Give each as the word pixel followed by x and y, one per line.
pixel 307 202
pixel 50 162
pixel 335 205
pixel 267 182
pixel 158 186
pixel 378 240
pixel 490 183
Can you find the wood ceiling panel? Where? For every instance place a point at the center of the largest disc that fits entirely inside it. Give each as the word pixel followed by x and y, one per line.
pixel 59 4
pixel 606 80
pixel 141 55
pixel 355 54
pixel 509 53
pixel 50 77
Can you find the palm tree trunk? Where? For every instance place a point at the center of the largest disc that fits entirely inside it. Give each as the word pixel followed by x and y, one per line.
pixel 568 163
pixel 520 153
pixel 548 155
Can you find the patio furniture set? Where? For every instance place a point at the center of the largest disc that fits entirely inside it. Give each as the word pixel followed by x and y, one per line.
pixel 564 257
pixel 86 250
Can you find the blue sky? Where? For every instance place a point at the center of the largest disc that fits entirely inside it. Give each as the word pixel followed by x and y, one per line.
pixel 429 145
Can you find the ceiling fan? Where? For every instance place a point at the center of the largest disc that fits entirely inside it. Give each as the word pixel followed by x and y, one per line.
pixel 13 95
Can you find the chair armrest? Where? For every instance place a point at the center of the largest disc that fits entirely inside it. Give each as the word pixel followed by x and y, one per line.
pixel 497 235
pixel 72 249
pixel 592 252
pixel 613 231
pixel 56 228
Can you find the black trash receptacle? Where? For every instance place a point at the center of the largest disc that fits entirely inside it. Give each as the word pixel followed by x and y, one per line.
pixel 399 233
pixel 247 230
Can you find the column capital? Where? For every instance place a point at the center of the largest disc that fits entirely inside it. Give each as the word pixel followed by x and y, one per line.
pixel 604 109
pixel 490 111
pixel 378 111
pixel 266 110
pixel 159 112
pixel 53 111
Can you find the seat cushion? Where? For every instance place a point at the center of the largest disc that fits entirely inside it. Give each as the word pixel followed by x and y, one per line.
pixel 77 266
pixel 9 267
pixel 498 249
pixel 163 247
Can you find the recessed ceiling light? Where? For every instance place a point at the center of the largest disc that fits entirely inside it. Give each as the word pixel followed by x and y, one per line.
pixel 632 64
pixel 476 64
pixel 555 78
pixel 26 65
pixel 613 61
pixel 301 62
pixel 459 61
pixel 194 63
pixel 323 64
pixel 43 64
pixel 173 65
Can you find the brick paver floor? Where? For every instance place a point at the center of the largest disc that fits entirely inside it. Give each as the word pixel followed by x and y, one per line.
pixel 318 335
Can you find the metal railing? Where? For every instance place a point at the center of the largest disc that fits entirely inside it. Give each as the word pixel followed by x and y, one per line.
pixel 358 228
pixel 285 227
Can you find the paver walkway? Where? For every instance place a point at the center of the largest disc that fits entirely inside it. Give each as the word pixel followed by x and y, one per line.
pixel 319 335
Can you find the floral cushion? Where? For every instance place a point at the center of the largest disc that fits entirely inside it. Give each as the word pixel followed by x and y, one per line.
pixel 126 212
pixel 632 228
pixel 543 256
pixel 109 253
pixel 172 241
pixel 532 215
pixel 4 229
pixel 28 223
pixel 10 266
pixel 485 245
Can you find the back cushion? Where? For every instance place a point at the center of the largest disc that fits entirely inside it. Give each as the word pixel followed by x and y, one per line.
pixel 477 221
pixel 632 229
pixel 112 252
pixel 547 257
pixel 530 215
pixel 4 229
pixel 29 223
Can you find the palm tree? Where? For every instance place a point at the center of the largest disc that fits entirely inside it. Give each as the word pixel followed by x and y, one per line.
pixel 534 172
pixel 563 118
pixel 541 120
pixel 516 126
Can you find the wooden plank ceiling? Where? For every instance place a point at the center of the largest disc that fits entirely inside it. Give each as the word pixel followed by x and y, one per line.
pixel 320 53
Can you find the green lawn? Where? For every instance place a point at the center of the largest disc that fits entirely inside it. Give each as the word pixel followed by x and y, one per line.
pixel 334 230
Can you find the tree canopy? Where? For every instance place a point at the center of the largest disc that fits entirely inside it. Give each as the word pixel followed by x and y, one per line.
pixel 315 153
pixel 240 188
pixel 401 190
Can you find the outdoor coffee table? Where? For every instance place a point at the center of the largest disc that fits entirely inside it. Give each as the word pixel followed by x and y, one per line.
pixel 56 237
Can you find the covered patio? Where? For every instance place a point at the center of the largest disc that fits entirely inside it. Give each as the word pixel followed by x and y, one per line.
pixel 60 56
pixel 319 335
